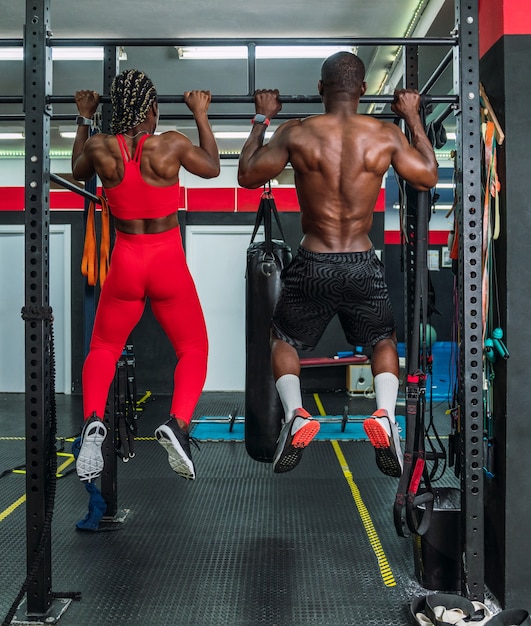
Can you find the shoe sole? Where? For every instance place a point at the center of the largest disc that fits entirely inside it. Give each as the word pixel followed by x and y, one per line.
pixel 292 452
pixel 386 457
pixel 177 457
pixel 89 464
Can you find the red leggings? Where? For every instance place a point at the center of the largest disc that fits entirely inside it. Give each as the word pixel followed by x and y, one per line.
pixel 154 267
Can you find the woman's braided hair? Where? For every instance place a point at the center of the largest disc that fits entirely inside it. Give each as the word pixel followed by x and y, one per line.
pixel 132 94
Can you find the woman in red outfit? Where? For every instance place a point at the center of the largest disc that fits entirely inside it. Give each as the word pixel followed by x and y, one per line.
pixel 139 172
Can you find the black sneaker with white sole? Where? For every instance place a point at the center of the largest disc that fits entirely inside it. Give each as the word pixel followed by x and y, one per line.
pixel 89 463
pixel 176 442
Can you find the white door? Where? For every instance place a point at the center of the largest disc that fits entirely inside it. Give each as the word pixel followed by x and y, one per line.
pixel 12 281
pixel 217 258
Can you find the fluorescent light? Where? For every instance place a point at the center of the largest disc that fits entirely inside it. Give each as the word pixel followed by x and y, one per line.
pixel 81 53
pixel 11 54
pixel 299 52
pixel 437 206
pixel 213 52
pixel 445 185
pixel 11 135
pixel 230 134
pixel 261 52
pixel 67 134
pixel 77 54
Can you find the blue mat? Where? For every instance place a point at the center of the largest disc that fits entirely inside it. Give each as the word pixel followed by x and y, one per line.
pixel 207 430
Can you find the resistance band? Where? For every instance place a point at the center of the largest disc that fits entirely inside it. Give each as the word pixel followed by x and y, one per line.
pixel 89 262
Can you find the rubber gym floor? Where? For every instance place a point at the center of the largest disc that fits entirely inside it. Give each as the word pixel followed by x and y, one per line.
pixel 240 545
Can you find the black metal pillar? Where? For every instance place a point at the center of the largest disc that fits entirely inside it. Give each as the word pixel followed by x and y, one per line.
pixel 469 208
pixel 409 252
pixel 37 86
pixel 109 477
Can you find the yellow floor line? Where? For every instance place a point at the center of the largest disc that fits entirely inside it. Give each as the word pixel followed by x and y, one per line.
pixel 385 569
pixel 22 499
pixel 319 404
pixel 12 508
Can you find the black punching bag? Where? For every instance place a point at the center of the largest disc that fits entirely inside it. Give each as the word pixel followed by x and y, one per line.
pixel 263 409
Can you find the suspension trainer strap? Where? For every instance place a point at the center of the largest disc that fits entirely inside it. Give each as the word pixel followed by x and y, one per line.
pixel 266 208
pixel 413 508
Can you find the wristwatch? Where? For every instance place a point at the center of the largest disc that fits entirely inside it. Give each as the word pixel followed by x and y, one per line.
pixel 261 119
pixel 83 121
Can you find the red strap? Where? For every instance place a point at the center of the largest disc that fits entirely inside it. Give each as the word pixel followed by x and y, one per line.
pixel 105 245
pixel 417 475
pixel 123 148
pixel 139 146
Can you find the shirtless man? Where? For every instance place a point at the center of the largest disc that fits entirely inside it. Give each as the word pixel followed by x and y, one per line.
pixel 140 174
pixel 339 159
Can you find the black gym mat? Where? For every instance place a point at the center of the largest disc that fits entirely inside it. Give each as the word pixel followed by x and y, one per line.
pixel 240 546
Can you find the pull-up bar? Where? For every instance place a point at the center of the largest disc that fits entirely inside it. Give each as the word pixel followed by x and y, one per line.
pixel 249 99
pixel 259 41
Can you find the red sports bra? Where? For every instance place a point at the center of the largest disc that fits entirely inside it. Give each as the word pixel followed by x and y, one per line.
pixel 132 198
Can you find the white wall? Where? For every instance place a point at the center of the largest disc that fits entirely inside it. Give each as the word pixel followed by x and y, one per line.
pixel 12 327
pixel 217 257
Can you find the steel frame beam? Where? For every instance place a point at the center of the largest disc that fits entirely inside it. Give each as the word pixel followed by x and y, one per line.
pixel 469 212
pixel 37 86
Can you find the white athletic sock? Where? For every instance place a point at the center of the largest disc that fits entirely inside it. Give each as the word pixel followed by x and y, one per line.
pixel 386 390
pixel 289 390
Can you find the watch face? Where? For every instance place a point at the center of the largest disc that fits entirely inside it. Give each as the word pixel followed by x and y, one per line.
pixel 259 118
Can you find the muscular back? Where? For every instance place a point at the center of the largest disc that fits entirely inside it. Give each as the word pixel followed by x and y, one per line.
pixel 160 163
pixel 339 158
pixel 339 163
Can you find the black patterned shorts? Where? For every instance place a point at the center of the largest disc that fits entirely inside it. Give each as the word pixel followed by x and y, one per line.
pixel 317 286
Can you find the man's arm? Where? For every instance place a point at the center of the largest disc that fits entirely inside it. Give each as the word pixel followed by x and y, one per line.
pixel 259 163
pixel 415 161
pixel 82 167
pixel 202 160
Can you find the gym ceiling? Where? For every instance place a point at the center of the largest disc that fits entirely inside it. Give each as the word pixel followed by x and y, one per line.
pixel 210 19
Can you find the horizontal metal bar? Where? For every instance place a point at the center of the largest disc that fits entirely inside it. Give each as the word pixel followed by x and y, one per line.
pixel 323 420
pixel 16 117
pixel 11 99
pixel 259 41
pixel 71 187
pixel 242 99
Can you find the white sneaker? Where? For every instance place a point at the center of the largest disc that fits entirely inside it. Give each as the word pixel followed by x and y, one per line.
pixel 89 464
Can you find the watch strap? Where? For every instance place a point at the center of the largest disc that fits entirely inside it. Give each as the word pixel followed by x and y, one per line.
pixel 83 121
pixel 261 119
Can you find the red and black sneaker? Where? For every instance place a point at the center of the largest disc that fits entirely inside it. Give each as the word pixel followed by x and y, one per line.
pixel 295 436
pixel 389 457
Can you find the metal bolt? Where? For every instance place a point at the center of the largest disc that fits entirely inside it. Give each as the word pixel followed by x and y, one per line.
pixel 471 95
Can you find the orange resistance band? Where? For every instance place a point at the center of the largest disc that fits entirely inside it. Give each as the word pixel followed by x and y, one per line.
pixel 89 262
